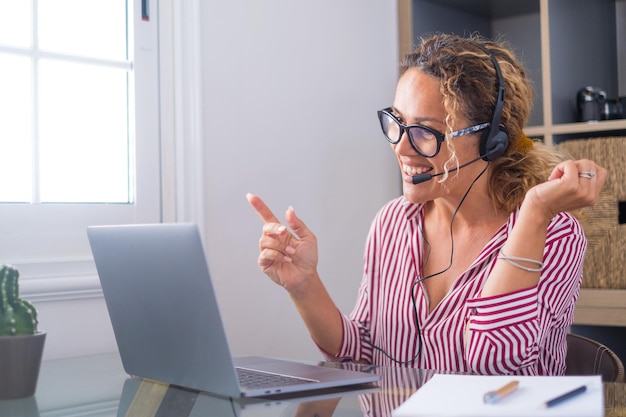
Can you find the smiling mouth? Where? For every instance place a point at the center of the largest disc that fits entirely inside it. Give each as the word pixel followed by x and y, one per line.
pixel 410 170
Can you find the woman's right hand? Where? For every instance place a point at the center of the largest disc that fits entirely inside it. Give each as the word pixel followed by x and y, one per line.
pixel 288 259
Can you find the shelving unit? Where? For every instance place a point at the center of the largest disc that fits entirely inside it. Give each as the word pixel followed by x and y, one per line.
pixel 565 45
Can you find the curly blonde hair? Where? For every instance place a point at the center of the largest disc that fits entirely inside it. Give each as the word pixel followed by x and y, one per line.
pixel 469 83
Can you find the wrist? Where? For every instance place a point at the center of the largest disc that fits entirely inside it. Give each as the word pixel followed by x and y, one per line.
pixel 531 215
pixel 305 287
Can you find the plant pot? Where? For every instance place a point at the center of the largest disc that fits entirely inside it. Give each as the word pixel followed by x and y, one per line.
pixel 20 360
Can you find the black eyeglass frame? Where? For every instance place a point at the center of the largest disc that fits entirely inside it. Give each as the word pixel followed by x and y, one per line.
pixel 440 137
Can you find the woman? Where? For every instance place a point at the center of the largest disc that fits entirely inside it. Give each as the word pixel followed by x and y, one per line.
pixel 477 267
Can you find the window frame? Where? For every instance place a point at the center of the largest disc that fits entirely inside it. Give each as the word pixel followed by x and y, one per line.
pixel 48 242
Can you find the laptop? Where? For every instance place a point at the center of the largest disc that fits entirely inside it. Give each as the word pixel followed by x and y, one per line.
pixel 165 316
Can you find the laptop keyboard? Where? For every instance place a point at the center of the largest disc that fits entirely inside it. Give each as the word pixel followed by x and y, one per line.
pixel 250 379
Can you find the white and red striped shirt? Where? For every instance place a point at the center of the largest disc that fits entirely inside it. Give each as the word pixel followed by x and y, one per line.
pixel 517 333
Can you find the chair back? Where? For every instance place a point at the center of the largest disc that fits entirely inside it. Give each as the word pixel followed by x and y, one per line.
pixel 589 357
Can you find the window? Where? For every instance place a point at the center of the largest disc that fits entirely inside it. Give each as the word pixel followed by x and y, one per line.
pixel 79 123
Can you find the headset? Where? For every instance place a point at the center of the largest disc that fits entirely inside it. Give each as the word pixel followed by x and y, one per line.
pixel 494 141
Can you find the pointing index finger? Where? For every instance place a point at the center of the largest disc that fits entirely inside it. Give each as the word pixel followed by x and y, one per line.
pixel 262 209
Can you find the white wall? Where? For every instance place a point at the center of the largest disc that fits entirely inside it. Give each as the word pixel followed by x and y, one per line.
pixel 286 94
pixel 290 96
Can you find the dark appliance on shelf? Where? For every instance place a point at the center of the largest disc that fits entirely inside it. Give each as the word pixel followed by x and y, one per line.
pixel 613 109
pixel 591 101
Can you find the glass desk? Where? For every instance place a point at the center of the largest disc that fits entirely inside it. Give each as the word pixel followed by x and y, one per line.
pixel 97 386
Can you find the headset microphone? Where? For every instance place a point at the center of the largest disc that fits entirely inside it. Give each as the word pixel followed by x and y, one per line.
pixel 420 178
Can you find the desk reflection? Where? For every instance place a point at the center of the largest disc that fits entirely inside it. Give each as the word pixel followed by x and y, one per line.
pixel 23 407
pixel 146 398
pixel 98 386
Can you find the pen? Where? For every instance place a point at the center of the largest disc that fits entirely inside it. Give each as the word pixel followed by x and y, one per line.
pixel 494 396
pixel 566 396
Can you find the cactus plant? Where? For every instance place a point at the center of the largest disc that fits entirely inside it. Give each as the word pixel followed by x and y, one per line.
pixel 17 316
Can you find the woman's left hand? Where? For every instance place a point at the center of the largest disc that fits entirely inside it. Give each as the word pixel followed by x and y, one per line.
pixel 572 185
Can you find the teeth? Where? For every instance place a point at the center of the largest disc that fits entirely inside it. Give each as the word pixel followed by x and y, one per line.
pixel 414 170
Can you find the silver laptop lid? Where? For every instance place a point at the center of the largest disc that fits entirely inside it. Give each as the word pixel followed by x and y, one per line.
pixel 166 328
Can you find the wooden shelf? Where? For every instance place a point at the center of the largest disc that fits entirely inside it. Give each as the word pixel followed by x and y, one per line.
pixel 601 307
pixel 573 128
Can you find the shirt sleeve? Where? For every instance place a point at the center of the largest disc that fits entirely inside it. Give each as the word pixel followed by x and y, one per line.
pixel 506 332
pixel 502 330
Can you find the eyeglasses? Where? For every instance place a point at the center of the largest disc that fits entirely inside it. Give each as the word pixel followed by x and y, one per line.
pixel 425 140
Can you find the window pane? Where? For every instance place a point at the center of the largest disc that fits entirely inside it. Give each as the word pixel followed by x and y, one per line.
pixel 92 28
pixel 83 133
pixel 15 129
pixel 15 23
pixel 32 233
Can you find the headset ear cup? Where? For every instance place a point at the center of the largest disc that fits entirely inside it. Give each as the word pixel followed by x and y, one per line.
pixel 493 142
pixel 493 146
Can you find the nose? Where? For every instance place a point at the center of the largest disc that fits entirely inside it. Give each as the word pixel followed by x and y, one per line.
pixel 403 147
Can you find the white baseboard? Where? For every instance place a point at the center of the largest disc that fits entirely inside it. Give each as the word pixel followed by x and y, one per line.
pixel 58 280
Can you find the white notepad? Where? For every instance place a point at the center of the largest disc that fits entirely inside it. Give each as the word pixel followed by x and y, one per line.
pixel 462 395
